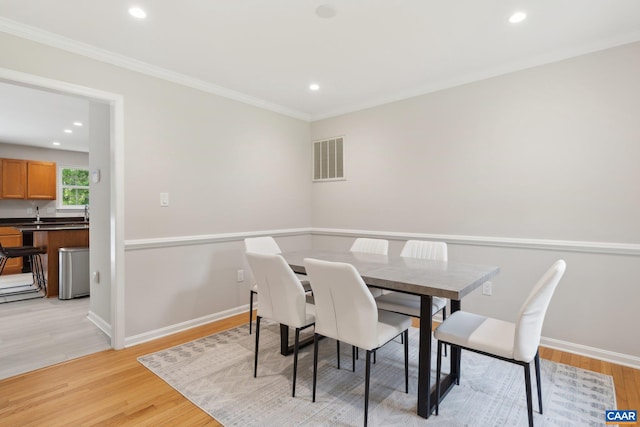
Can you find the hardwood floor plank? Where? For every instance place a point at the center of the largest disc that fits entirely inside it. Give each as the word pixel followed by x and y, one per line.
pixel 112 388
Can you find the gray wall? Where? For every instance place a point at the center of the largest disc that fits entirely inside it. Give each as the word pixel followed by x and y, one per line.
pixel 549 153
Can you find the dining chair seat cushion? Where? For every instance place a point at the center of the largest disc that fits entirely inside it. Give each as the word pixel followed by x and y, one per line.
pixel 390 325
pixel 399 302
pixel 479 333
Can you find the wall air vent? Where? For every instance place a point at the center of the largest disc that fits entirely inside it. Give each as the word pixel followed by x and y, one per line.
pixel 328 159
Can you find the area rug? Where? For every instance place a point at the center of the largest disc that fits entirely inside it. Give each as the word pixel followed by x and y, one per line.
pixel 216 374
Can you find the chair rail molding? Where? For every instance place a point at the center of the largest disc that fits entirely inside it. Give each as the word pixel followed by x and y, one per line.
pixel 204 239
pixel 507 242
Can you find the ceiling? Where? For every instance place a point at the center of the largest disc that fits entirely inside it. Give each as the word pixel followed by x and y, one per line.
pixel 371 52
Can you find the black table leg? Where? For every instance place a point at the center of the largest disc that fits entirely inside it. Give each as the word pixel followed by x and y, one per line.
pixel 425 404
pixel 426 393
pixel 285 348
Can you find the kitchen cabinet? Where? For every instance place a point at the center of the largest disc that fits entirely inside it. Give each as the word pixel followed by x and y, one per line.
pixel 41 180
pixel 11 237
pixel 28 179
pixel 14 179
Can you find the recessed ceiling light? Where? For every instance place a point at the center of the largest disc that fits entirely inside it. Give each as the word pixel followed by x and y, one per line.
pixel 314 86
pixel 517 17
pixel 68 131
pixel 79 124
pixel 55 143
pixel 136 12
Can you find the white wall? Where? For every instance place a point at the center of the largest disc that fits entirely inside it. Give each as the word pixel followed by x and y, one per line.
pixel 549 153
pixel 227 166
pixel 18 208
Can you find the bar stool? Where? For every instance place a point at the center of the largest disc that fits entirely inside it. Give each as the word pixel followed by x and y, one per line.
pixel 33 254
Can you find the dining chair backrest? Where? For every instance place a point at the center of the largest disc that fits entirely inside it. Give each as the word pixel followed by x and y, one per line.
pixel 282 297
pixel 345 309
pixel 371 246
pixel 262 245
pixel 532 313
pixel 436 251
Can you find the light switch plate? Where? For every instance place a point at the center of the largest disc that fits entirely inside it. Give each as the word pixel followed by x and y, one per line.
pixel 487 288
pixel 164 199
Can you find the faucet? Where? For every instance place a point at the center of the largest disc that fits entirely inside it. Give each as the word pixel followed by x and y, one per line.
pixel 86 213
pixel 37 214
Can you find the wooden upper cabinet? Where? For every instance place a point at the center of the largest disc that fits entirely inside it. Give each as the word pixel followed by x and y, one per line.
pixel 41 180
pixel 27 179
pixel 14 179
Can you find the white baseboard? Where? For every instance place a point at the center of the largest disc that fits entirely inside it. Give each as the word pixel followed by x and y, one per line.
pixel 595 353
pixel 179 327
pixel 100 323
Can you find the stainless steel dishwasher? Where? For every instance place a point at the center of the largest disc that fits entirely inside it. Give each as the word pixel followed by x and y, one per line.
pixel 74 272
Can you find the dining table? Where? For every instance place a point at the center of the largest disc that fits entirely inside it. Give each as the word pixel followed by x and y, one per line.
pixel 424 278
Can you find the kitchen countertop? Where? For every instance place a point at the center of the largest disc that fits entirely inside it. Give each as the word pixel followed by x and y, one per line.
pixel 51 227
pixel 45 224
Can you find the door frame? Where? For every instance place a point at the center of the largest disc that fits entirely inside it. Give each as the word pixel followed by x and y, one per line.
pixel 116 166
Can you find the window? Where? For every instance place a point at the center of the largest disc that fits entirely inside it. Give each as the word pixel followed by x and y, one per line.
pixel 73 187
pixel 328 159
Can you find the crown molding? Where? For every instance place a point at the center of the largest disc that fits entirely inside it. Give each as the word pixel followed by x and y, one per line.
pixel 60 42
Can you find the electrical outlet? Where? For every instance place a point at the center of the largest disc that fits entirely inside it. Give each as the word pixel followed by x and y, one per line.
pixel 240 275
pixel 96 277
pixel 164 199
pixel 486 288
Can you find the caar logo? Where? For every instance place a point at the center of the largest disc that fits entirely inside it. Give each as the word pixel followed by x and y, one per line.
pixel 621 417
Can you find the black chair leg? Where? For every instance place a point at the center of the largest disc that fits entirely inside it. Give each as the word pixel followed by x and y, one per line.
pixel 366 387
pixel 405 336
pixel 295 361
pixel 527 381
pixel 353 358
pixel 338 352
pixel 444 317
pixel 255 362
pixel 458 365
pixel 315 364
pixel 537 363
pixel 438 372
pixel 250 310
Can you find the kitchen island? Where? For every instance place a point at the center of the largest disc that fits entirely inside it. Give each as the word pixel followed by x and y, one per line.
pixel 53 239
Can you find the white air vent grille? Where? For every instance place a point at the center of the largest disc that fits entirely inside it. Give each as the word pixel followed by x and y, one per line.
pixel 328 159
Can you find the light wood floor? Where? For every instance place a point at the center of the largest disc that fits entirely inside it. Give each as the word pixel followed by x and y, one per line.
pixel 45 331
pixel 112 388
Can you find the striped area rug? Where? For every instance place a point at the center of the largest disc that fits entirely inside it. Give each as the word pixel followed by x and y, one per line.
pixel 216 374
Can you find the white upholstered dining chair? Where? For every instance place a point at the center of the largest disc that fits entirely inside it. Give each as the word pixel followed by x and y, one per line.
pixel 347 312
pixel 370 246
pixel 264 245
pixel 282 299
pixel 512 342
